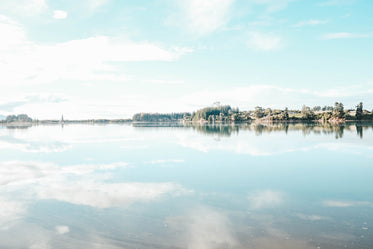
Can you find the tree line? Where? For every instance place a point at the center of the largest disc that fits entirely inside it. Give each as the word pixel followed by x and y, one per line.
pixel 226 113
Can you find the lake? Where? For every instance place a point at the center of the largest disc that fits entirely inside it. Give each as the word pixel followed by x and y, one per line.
pixel 269 186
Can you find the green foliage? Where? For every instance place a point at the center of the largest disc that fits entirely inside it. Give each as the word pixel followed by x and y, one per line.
pixel 219 113
pixel 258 112
pixel 307 113
pixel 226 113
pixel 327 108
pixel 157 117
pixel 316 108
pixel 359 111
pixel 18 118
pixel 285 114
pixel 325 116
pixel 338 111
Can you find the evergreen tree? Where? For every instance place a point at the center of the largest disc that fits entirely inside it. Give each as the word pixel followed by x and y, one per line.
pixel 359 111
pixel 285 114
pixel 338 111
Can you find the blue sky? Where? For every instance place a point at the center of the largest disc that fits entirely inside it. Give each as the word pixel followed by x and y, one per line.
pixel 110 59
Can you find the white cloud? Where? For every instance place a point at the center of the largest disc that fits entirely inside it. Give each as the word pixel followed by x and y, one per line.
pixel 311 22
pixel 82 169
pixel 342 204
pixel 94 5
pixel 40 147
pixel 50 181
pixel 25 62
pixel 62 229
pixel 274 96
pixel 41 245
pixel 264 42
pixel 20 172
pixel 204 228
pixel 343 35
pixel 13 35
pixel 59 14
pixel 105 195
pixel 10 103
pixel 24 7
pixel 312 217
pixel 202 17
pixel 265 199
pixel 10 211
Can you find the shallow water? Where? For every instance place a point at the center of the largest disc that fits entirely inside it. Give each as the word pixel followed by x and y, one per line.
pixel 172 186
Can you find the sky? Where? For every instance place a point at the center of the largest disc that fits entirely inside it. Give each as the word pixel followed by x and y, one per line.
pixel 111 59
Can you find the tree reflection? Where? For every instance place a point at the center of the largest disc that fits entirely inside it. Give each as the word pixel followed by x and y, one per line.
pixel 359 130
pixel 306 129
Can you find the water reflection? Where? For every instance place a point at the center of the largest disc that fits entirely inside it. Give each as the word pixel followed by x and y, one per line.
pixel 260 128
pixel 184 186
pixel 359 130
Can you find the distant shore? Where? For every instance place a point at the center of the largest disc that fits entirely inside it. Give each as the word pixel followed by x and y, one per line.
pixel 180 122
pixel 223 114
pixel 87 121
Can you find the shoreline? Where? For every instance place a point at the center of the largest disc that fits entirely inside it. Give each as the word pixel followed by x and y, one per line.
pixel 185 122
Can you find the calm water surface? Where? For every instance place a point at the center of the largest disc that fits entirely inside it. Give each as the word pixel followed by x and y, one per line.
pixel 142 186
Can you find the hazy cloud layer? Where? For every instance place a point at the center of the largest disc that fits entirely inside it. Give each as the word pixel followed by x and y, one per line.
pixel 77 59
pixel 344 35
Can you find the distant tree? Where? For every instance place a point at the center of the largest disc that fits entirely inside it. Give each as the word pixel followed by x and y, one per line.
pixel 338 110
pixel 18 118
pixel 258 112
pixel 159 117
pixel 316 108
pixel 307 113
pixel 285 114
pixel 205 113
pixel 327 108
pixel 359 111
pixel 268 112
